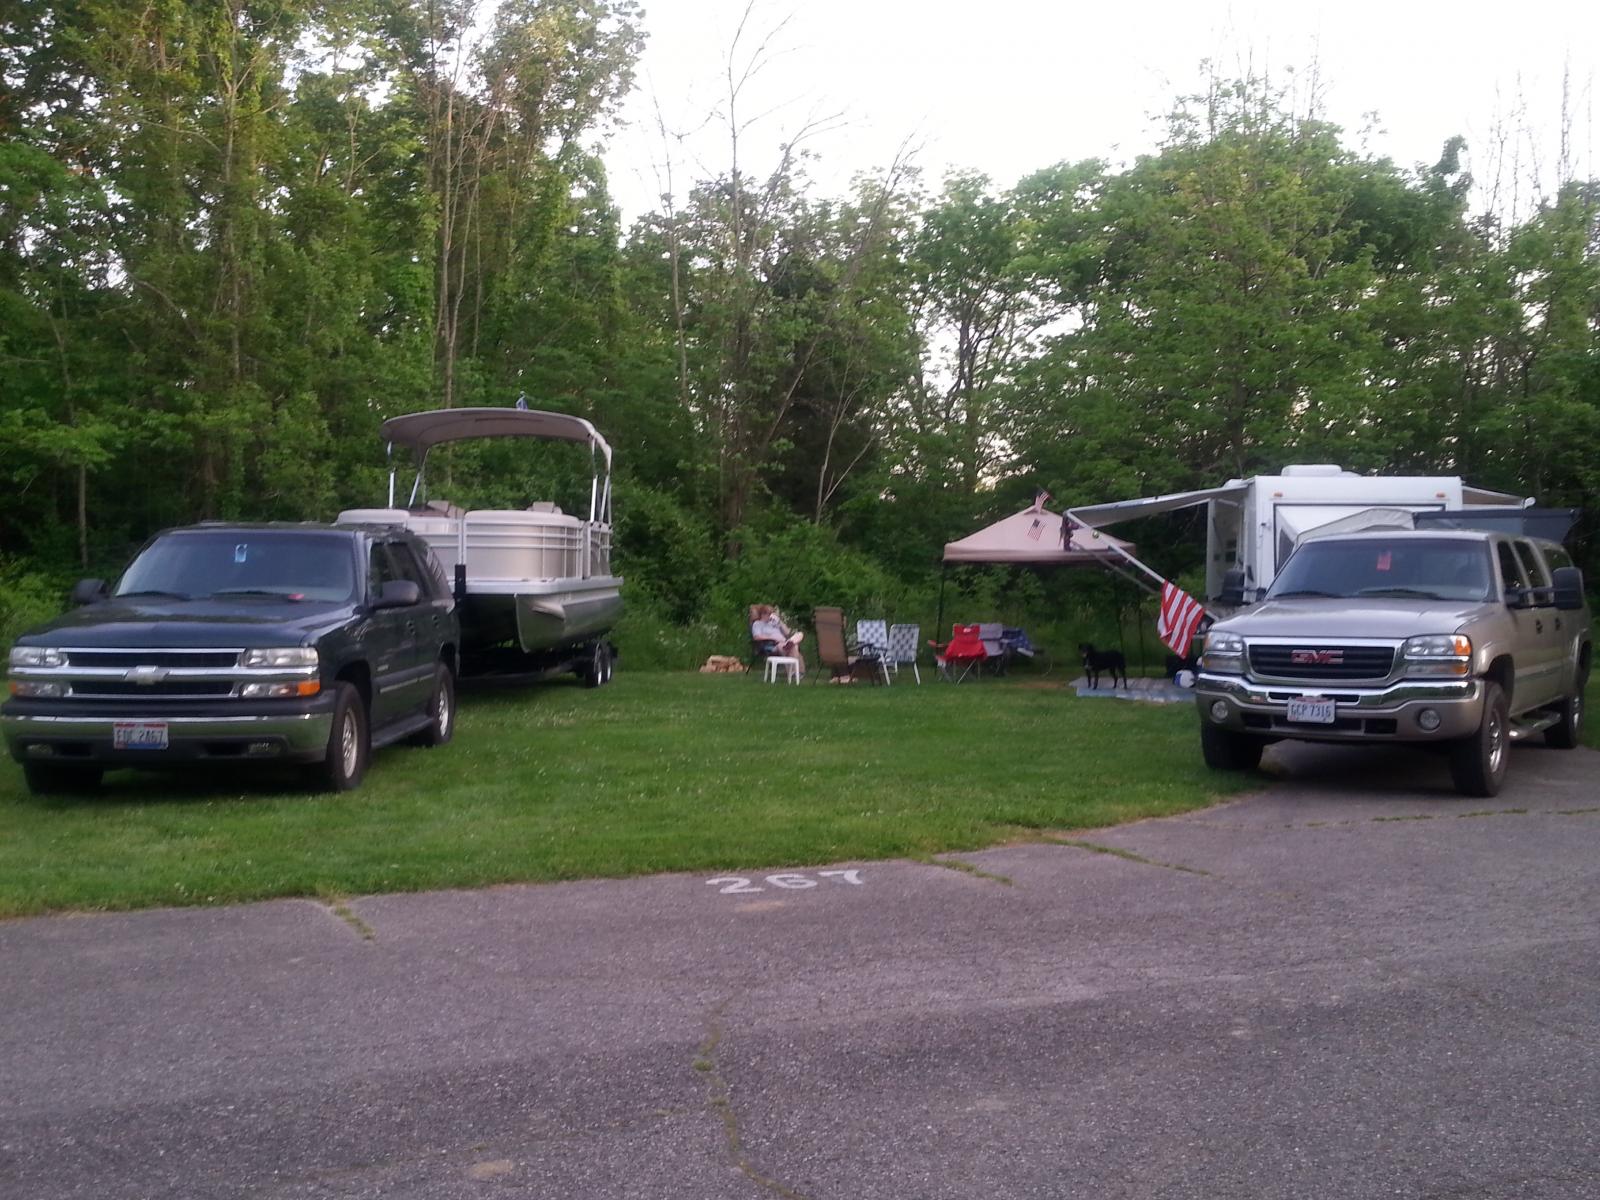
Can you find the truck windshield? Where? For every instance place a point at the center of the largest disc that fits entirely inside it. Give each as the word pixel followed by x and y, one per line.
pixel 1408 568
pixel 269 564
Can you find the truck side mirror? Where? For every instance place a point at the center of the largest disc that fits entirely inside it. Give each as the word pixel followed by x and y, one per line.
pixel 1519 597
pixel 1232 587
pixel 87 591
pixel 1568 587
pixel 399 593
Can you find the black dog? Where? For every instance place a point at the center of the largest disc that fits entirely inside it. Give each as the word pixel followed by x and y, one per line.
pixel 1095 661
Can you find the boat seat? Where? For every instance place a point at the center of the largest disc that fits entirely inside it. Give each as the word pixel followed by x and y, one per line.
pixel 441 508
pixel 544 506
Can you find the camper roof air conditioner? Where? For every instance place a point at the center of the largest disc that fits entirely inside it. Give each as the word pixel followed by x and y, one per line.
pixel 1316 470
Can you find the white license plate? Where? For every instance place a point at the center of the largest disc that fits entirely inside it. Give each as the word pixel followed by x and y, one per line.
pixel 1311 710
pixel 139 735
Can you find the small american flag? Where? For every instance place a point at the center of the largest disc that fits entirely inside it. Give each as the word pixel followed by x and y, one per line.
pixel 1036 530
pixel 1180 613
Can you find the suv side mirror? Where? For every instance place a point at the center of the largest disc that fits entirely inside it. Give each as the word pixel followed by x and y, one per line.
pixel 1568 587
pixel 1232 587
pixel 399 593
pixel 87 591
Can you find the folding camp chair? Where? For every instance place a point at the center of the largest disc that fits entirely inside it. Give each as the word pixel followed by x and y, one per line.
pixel 903 648
pixel 832 652
pixel 872 641
pixel 957 657
pixel 992 635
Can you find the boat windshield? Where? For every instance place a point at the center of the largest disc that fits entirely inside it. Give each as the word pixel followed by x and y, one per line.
pixel 1394 568
pixel 272 565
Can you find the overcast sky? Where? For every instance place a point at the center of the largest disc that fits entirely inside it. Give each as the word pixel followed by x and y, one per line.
pixel 1009 86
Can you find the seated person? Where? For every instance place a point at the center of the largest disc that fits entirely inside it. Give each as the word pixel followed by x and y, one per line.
pixel 767 626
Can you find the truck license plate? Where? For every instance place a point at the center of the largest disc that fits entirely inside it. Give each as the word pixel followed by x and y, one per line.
pixel 1311 710
pixel 139 735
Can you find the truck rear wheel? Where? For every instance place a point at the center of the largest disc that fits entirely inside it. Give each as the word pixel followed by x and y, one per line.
pixel 1225 750
pixel 1478 763
pixel 349 744
pixel 1567 733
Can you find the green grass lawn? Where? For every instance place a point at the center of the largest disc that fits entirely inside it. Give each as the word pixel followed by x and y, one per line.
pixel 658 772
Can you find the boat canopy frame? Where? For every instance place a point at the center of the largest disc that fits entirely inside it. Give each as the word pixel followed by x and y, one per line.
pixel 420 432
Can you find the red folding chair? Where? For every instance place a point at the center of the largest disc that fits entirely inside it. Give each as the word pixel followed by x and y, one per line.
pixel 957 657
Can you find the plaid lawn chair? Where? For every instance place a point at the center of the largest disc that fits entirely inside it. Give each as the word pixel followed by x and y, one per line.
pixel 903 648
pixel 872 641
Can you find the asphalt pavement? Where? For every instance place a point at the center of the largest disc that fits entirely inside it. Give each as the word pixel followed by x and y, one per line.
pixel 1352 984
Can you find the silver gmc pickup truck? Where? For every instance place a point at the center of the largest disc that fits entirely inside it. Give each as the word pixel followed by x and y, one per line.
pixel 1466 639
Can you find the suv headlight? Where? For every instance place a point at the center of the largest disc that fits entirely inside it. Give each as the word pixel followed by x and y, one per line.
pixel 1224 653
pixel 1437 654
pixel 37 656
pixel 281 656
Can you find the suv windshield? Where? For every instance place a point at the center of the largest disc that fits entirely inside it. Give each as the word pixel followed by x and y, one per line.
pixel 1406 568
pixel 276 565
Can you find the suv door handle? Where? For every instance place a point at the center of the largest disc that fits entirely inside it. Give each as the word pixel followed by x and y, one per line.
pixel 1538 625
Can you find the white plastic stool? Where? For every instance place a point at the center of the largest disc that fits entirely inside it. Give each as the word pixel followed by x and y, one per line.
pixel 791 665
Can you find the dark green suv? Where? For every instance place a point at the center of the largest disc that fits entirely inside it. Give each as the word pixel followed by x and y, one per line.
pixel 277 643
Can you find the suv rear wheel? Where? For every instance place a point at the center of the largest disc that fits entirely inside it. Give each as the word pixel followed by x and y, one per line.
pixel 1225 750
pixel 1478 763
pixel 441 708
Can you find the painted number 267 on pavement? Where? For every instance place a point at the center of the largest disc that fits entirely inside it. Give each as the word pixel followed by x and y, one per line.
pixel 735 884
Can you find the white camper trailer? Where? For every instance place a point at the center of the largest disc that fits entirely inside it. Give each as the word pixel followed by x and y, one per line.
pixel 1252 524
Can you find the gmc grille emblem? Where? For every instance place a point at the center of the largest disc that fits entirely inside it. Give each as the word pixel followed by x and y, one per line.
pixel 1320 658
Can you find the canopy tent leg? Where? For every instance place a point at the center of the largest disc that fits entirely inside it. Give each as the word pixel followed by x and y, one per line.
pixel 938 624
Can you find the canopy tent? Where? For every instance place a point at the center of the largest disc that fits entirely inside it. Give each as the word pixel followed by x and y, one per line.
pixel 1034 537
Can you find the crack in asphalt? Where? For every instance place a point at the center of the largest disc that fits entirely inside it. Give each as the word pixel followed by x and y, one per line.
pixel 1118 852
pixel 350 917
pixel 966 868
pixel 719 1097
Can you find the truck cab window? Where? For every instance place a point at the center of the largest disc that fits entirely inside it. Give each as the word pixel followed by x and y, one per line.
pixel 1510 572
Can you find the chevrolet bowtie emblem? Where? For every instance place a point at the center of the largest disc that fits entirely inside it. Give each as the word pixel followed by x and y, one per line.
pixel 146 675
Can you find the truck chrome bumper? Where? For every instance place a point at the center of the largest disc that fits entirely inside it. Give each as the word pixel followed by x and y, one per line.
pixel 1392 713
pixel 301 736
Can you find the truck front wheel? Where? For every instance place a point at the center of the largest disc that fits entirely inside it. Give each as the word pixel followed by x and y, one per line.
pixel 1225 750
pixel 1478 762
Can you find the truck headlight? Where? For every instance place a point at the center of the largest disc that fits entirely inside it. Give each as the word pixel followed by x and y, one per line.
pixel 1437 654
pixel 1223 653
pixel 37 656
pixel 262 691
pixel 281 656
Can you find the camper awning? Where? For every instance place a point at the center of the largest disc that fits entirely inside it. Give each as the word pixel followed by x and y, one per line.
pixel 1125 510
pixel 1477 495
pixel 1033 536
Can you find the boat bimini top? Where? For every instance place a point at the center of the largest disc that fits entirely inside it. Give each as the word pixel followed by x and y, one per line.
pixel 422 431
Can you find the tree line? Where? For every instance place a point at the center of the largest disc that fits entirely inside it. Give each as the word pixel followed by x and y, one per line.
pixel 235 235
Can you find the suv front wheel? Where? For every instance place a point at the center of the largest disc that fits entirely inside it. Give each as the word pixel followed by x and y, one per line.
pixel 349 743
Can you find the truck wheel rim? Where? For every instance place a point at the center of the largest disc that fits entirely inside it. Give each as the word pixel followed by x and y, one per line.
pixel 441 712
pixel 1497 741
pixel 349 744
pixel 1577 711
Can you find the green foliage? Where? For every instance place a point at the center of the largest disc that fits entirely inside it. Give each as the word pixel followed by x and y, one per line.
pixel 234 239
pixel 27 598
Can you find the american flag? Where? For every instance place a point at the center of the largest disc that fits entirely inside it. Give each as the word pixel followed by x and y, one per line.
pixel 1180 613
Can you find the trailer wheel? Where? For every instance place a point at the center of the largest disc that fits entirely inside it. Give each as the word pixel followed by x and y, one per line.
pixel 597 670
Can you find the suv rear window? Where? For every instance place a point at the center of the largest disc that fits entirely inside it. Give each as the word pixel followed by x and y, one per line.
pixel 1431 569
